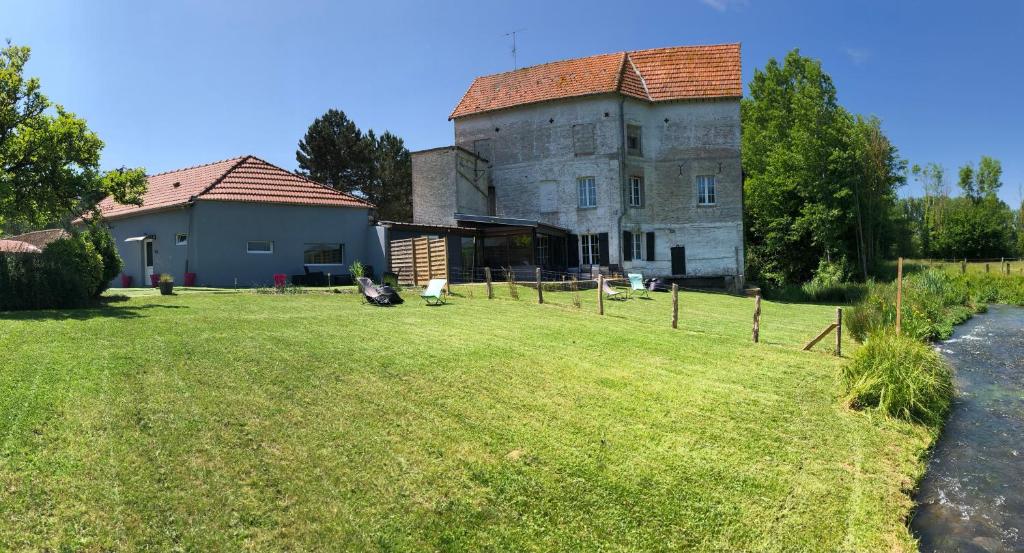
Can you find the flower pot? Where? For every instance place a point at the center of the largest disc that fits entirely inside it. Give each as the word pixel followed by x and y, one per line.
pixel 154 279
pixel 126 281
pixel 190 279
pixel 280 280
pixel 166 288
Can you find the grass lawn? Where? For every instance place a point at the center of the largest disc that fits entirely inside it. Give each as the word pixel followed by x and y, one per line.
pixel 238 421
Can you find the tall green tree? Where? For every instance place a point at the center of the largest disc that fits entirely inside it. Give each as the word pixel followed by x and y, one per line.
pixel 975 228
pixel 49 159
pixel 392 182
pixel 337 153
pixel 989 177
pixel 966 182
pixel 819 181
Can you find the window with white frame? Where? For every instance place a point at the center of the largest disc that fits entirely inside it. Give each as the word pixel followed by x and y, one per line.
pixel 638 246
pixel 181 239
pixel 590 250
pixel 588 191
pixel 259 246
pixel 323 254
pixel 636 191
pixel 705 190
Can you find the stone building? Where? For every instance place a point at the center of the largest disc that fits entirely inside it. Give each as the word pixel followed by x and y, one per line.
pixel 635 155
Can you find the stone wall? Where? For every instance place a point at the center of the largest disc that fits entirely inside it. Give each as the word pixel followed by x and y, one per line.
pixel 539 152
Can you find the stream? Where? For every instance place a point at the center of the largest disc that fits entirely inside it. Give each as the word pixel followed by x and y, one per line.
pixel 972 497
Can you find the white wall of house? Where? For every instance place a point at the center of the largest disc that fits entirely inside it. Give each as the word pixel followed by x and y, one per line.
pixel 539 152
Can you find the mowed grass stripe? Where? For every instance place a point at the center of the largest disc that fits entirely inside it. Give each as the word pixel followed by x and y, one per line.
pixel 262 422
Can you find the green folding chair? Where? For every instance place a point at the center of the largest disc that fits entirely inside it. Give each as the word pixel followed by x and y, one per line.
pixel 636 284
pixel 434 294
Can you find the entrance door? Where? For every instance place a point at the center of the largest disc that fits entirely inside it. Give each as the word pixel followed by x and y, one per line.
pixel 678 260
pixel 147 260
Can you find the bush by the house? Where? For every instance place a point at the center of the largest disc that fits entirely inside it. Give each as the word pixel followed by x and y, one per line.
pixel 103 242
pixel 901 377
pixel 66 274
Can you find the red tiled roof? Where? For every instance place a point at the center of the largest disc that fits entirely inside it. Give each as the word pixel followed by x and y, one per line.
pixel 40 238
pixel 17 246
pixel 242 179
pixel 656 75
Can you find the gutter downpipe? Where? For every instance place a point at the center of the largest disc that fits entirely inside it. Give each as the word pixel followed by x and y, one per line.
pixel 622 177
pixel 191 239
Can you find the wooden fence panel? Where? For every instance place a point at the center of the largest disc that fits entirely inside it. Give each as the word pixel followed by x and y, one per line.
pixel 417 260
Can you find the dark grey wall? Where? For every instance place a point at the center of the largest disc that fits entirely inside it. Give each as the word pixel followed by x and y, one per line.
pixel 167 258
pixel 219 231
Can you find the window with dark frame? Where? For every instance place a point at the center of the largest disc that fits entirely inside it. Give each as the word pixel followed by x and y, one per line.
pixel 259 246
pixel 181 239
pixel 636 188
pixel 634 140
pixel 589 249
pixel 705 190
pixel 543 251
pixel 323 254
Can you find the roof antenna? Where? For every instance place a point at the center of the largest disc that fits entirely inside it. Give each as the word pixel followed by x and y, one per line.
pixel 515 62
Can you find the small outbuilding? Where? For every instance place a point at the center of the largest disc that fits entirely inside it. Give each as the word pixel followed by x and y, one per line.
pixel 238 222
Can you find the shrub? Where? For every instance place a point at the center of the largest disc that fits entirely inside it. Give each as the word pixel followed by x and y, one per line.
pixel 66 274
pixel 103 242
pixel 73 272
pixel 901 377
pixel 166 277
pixel 357 269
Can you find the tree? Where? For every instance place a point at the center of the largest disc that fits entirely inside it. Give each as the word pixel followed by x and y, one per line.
pixel 966 182
pixel 932 178
pixel 820 182
pixel 49 159
pixel 976 228
pixel 336 153
pixel 989 177
pixel 392 192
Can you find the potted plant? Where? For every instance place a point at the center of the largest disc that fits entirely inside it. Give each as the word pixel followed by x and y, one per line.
pixel 166 284
pixel 126 281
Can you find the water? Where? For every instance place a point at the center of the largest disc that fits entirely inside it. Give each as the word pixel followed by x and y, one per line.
pixel 972 498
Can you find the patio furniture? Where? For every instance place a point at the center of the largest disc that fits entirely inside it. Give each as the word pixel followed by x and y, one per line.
pixel 612 293
pixel 434 294
pixel 636 284
pixel 373 294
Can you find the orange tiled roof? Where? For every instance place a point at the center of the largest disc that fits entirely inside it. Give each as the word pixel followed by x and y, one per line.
pixel 656 75
pixel 241 179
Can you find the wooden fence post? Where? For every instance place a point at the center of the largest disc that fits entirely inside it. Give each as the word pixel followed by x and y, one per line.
pixel 490 288
pixel 600 294
pixel 986 267
pixel 757 319
pixel 899 294
pixel 675 305
pixel 963 266
pixel 540 288
pixel 839 331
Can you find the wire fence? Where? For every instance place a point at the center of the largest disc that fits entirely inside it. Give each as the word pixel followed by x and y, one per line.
pixel 687 309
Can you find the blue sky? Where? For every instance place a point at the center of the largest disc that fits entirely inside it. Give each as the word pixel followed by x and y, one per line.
pixel 173 84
